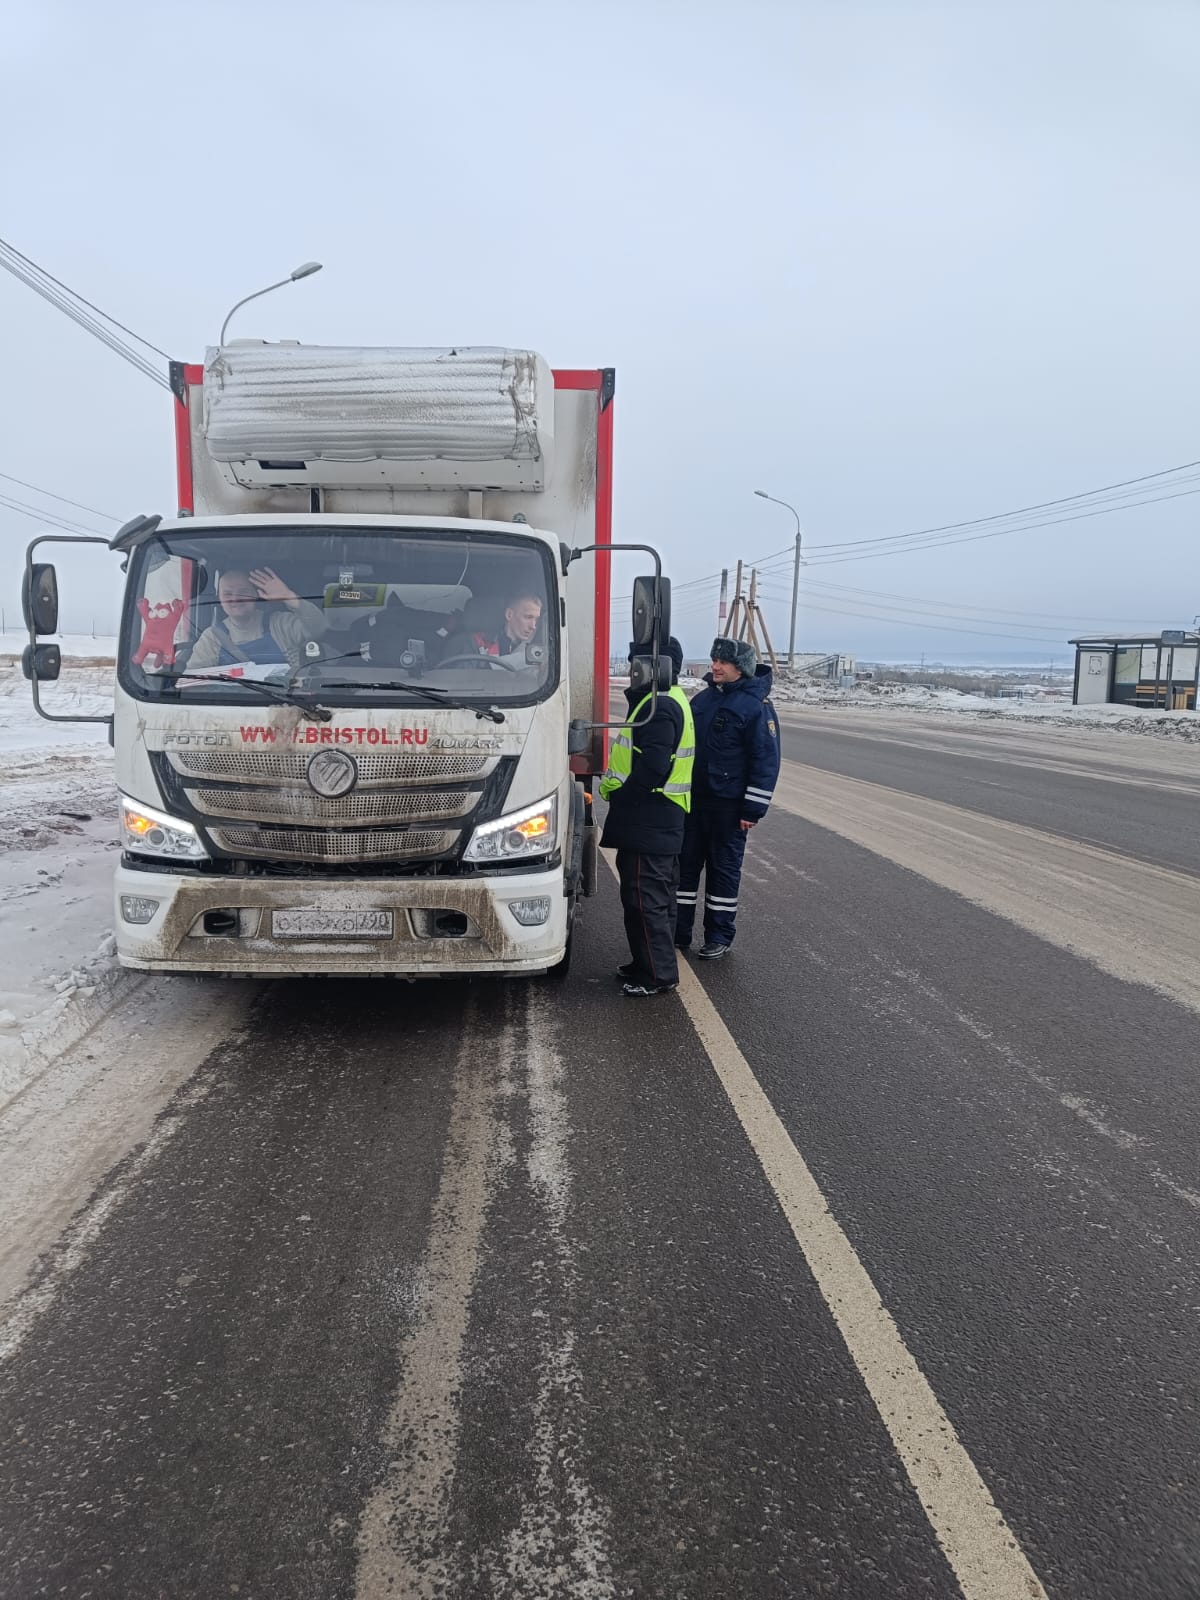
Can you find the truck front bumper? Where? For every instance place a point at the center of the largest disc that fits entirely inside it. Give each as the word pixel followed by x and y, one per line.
pixel 212 924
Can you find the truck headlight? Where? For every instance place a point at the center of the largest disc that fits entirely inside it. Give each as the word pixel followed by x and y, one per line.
pixel 532 831
pixel 153 833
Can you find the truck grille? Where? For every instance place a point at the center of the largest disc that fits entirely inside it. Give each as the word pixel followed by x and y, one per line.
pixel 364 807
pixel 407 810
pixel 333 845
pixel 275 767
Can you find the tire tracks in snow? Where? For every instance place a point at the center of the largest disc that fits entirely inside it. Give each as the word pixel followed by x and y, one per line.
pixel 558 1543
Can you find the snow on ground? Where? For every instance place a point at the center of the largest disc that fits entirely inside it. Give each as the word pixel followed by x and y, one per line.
pixel 901 698
pixel 74 646
pixel 58 846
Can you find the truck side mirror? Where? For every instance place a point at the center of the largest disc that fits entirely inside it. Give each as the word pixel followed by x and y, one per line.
pixel 651 611
pixel 41 661
pixel 39 598
pixel 641 673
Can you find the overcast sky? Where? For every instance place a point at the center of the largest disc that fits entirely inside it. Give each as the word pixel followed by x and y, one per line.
pixel 901 264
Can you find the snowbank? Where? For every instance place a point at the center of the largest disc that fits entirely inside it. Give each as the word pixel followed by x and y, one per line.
pixel 1183 725
pixel 74 646
pixel 58 844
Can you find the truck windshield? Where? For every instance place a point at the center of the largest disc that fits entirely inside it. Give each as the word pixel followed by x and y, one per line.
pixel 346 616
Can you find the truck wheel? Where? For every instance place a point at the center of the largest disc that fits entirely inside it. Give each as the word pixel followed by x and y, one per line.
pixel 562 968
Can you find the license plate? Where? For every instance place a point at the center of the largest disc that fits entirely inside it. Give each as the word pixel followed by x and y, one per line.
pixel 331 924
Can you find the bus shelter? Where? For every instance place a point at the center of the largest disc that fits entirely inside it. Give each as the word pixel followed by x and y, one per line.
pixel 1159 670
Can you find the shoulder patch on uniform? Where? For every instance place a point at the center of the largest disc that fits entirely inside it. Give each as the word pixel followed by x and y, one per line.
pixel 771 728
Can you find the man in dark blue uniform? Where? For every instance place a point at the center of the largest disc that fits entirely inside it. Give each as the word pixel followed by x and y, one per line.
pixel 737 765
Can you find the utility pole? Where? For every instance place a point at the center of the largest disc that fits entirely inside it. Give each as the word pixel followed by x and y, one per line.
pixel 763 495
pixel 721 609
pixel 795 601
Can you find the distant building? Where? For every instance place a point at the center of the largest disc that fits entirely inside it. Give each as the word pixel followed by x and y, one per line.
pixel 1160 670
pixel 816 665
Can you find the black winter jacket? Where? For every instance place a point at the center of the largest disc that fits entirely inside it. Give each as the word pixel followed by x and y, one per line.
pixel 639 819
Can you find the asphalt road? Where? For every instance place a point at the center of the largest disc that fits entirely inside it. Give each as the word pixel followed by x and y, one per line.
pixel 868 1265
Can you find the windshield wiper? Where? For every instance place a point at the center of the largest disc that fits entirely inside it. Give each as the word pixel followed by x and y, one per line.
pixel 439 697
pixel 278 692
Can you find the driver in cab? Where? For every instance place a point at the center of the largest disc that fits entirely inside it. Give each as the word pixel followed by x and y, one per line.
pixel 518 627
pixel 265 621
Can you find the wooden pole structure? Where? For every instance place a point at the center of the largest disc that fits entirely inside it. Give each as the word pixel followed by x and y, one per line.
pixel 751 609
pixel 734 621
pixel 757 623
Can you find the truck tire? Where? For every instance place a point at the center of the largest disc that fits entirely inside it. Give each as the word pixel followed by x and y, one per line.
pixel 561 969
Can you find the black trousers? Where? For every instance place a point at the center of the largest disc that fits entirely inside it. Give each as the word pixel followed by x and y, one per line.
pixel 648 885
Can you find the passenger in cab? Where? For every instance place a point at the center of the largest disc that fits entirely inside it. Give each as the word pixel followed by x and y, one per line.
pixel 518 627
pixel 265 621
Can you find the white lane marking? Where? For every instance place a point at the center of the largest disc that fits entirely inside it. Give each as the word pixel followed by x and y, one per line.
pixel 403 1537
pixel 976 1540
pixel 1133 920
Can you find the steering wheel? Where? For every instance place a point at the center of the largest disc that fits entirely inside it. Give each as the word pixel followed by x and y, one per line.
pixel 477 660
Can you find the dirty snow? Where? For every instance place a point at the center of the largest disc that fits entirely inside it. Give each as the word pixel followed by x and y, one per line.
pixel 58 845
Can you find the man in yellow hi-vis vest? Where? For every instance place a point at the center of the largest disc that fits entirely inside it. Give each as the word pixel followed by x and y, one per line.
pixel 648 787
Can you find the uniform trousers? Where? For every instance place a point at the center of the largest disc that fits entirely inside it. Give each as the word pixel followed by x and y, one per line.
pixel 714 843
pixel 648 885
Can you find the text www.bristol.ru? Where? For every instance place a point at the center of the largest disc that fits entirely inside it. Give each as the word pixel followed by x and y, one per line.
pixel 314 735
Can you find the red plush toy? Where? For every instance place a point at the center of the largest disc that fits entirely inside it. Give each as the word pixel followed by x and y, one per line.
pixel 158 632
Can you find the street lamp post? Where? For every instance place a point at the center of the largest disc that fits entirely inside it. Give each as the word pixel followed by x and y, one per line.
pixel 305 271
pixel 763 495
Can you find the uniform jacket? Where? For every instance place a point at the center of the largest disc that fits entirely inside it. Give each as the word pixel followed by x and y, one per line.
pixel 737 744
pixel 639 819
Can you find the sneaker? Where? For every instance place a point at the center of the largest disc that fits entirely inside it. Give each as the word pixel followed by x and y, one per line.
pixel 639 991
pixel 712 951
pixel 630 972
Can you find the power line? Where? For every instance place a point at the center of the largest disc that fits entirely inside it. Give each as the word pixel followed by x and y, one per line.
pixel 37 515
pixel 975 633
pixel 74 293
pixel 952 605
pixel 50 495
pixel 78 309
pixel 909 614
pixel 995 533
pixel 1022 511
pixel 935 538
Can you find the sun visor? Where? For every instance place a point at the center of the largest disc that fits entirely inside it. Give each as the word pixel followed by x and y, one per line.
pixel 297 416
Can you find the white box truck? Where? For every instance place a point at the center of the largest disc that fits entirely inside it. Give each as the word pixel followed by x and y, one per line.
pixel 363 674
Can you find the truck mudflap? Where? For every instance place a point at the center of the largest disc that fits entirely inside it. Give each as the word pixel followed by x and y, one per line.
pixel 418 927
